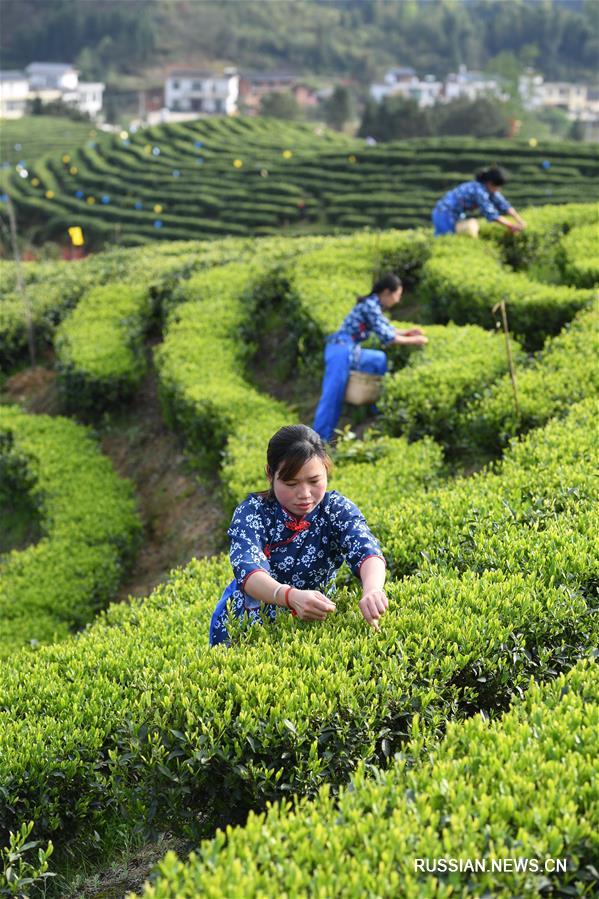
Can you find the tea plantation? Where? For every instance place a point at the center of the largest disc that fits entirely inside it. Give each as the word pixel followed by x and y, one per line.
pixel 311 760
pixel 244 176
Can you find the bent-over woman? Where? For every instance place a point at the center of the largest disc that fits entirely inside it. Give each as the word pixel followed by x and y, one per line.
pixel 483 194
pixel 288 543
pixel 343 353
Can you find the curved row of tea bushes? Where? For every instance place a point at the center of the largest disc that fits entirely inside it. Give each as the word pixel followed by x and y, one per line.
pixel 325 281
pixel 517 788
pixel 428 395
pixel 516 519
pixel 463 280
pixel 385 468
pixel 49 298
pixel 565 372
pixel 207 178
pixel 138 718
pixel 578 256
pixel 202 374
pixel 100 347
pixel 89 522
pixel 53 289
pixel 535 247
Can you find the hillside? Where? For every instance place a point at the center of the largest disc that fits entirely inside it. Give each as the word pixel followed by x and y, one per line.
pixel 349 37
pixel 467 723
pixel 248 176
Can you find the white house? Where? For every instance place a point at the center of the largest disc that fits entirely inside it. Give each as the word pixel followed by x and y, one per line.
pixel 405 83
pixel 88 97
pixel 202 92
pixel 14 93
pixel 52 75
pixel 465 85
pixel 572 98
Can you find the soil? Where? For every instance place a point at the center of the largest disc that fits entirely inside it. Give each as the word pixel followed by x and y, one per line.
pixel 34 389
pixel 180 510
pixel 128 874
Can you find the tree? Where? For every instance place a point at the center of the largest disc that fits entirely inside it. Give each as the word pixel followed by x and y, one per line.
pixel 478 118
pixel 394 119
pixel 369 123
pixel 338 108
pixel 280 105
pixel 577 131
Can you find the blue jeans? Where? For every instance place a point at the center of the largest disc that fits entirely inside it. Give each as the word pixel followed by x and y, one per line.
pixel 239 605
pixel 444 222
pixel 338 362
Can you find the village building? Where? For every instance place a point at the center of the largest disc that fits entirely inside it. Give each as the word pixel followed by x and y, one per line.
pixel 14 94
pixel 202 92
pixel 254 86
pixel 48 82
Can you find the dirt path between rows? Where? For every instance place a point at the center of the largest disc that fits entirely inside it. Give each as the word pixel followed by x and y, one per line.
pixel 181 512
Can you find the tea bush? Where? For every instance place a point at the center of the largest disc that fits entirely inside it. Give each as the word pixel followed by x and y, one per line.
pixel 564 373
pixel 99 347
pixel 578 256
pixel 141 720
pixel 217 176
pixel 463 280
pixel 514 789
pixel 427 396
pixel 90 529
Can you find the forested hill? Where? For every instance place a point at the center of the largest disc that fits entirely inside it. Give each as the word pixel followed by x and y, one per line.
pixel 346 37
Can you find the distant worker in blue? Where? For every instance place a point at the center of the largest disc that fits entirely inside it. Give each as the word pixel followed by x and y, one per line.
pixel 287 543
pixel 482 194
pixel 343 353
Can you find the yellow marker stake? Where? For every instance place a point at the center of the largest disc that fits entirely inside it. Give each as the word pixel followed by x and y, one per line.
pixel 76 235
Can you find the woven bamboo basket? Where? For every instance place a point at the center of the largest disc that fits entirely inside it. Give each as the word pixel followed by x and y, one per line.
pixel 362 388
pixel 467 226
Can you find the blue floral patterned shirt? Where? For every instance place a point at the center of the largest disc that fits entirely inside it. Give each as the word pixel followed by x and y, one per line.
pixel 305 553
pixel 471 195
pixel 367 318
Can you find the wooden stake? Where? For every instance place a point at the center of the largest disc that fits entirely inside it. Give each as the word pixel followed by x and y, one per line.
pixel 501 306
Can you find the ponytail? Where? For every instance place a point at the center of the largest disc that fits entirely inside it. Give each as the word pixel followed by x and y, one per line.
pixel 385 282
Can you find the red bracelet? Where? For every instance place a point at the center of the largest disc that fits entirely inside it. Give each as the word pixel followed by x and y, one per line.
pixel 291 609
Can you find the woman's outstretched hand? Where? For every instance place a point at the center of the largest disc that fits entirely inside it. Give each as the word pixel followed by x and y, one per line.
pixel 404 338
pixel 310 605
pixel 373 604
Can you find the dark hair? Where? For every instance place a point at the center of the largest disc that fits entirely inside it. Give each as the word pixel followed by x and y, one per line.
pixel 389 281
pixel 289 449
pixel 492 175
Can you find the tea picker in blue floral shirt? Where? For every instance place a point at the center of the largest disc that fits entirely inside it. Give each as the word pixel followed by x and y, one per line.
pixel 288 543
pixel 343 352
pixel 482 193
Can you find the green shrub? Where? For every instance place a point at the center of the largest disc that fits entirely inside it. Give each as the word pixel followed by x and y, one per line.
pixel 564 373
pixel 534 248
pixel 222 416
pixel 140 717
pixel 578 256
pixel 428 395
pixel 515 789
pixel 99 347
pixel 90 529
pixel 463 280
